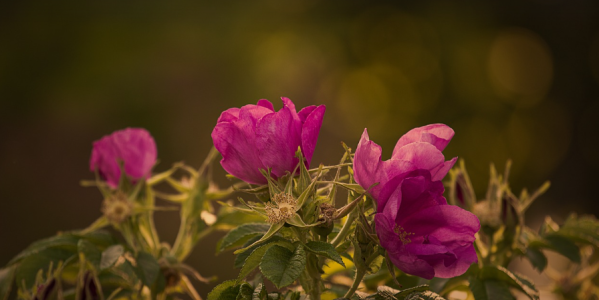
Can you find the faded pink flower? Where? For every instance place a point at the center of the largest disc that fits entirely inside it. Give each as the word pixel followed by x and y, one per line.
pixel 134 148
pixel 423 235
pixel 256 137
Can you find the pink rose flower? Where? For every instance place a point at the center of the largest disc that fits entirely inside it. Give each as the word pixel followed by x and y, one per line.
pixel 134 148
pixel 423 235
pixel 256 137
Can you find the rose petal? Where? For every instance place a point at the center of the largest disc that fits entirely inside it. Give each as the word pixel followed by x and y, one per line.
pixel 229 115
pixel 310 131
pixel 438 135
pixel 304 112
pixel 266 104
pixel 277 139
pixel 443 169
pixel 235 142
pixel 423 155
pixel 465 256
pixel 451 225
pixel 137 150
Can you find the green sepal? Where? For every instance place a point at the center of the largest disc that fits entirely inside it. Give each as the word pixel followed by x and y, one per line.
pixel 296 220
pixel 271 231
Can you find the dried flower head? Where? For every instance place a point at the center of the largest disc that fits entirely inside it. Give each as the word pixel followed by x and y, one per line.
pixel 280 208
pixel 117 208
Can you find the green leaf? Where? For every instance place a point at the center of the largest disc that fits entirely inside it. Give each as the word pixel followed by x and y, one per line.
pixel 110 256
pixel 490 290
pixel 241 257
pixel 253 261
pixel 91 253
pixel 230 293
pixel 259 293
pixel 325 249
pixel 241 234
pixel 219 289
pixel 31 264
pixel 504 275
pixel 147 268
pixel 246 292
pixel 271 231
pixel 282 266
pixel 7 277
pixel 537 258
pixel 584 229
pixel 67 242
pixel 564 246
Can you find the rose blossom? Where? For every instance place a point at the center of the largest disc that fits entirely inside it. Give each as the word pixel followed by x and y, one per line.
pixel 256 137
pixel 134 148
pixel 423 235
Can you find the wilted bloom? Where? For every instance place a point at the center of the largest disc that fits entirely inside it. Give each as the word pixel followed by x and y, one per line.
pixel 256 137
pixel 132 148
pixel 423 235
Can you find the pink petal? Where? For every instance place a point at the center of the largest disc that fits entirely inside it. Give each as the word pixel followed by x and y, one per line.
pixel 277 139
pixel 465 255
pixel 235 142
pixel 310 131
pixel 304 112
pixel 443 169
pixel 266 104
pixel 384 230
pixel 423 155
pixel 417 193
pixel 411 264
pixel 451 225
pixel 367 159
pixel 369 169
pixel 229 115
pixel 137 149
pixel 438 135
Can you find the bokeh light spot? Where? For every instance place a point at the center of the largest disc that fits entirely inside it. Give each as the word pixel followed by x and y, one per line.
pixel 520 67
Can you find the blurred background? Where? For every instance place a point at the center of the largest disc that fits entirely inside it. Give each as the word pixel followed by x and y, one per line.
pixel 515 79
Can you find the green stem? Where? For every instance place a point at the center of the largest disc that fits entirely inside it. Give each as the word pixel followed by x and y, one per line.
pixel 357 279
pixel 345 230
pixel 360 272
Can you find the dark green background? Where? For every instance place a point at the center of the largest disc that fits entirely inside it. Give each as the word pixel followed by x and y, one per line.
pixel 515 79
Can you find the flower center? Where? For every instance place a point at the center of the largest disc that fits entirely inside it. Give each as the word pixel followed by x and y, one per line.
pixel 117 208
pixel 403 234
pixel 280 208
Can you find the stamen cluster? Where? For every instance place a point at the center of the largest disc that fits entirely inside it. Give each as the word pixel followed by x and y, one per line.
pixel 117 208
pixel 281 207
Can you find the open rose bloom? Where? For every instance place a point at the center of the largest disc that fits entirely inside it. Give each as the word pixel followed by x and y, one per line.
pixel 421 233
pixel 133 148
pixel 256 137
